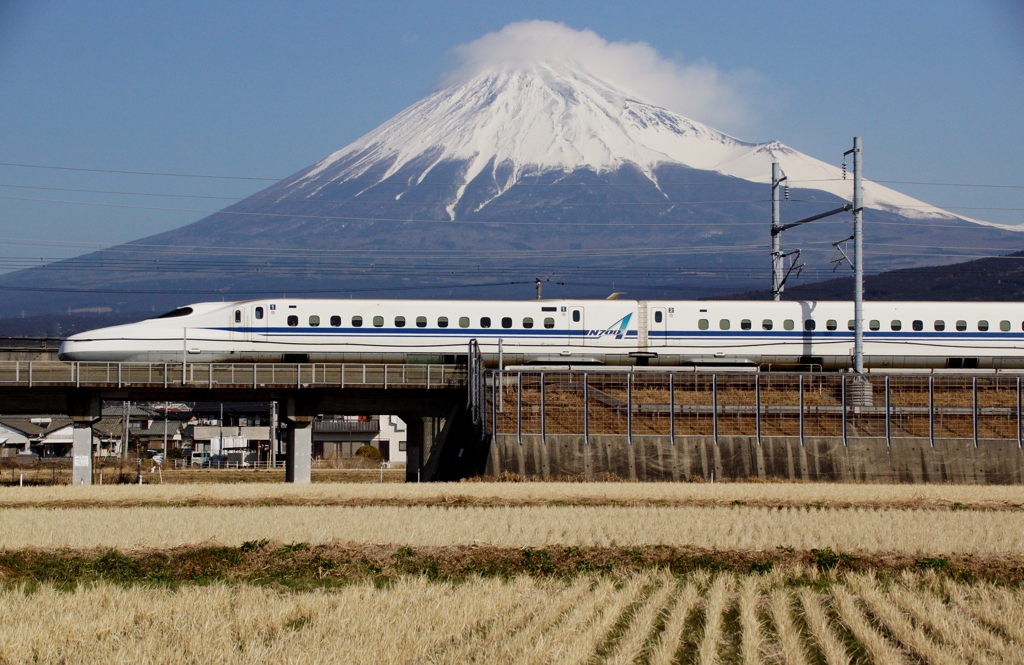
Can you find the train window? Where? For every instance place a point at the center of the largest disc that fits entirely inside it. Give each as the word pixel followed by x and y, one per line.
pixel 399 321
pixel 918 326
pixel 378 322
pixel 259 312
pixel 238 316
pixel 659 316
pixel 421 322
pixel 485 322
pixel 335 321
pixel 549 322
pixel 175 313
pixel 788 324
pixel 810 324
pixel 314 321
pixel 723 324
pixel 875 324
pixel 961 325
pixel 293 320
pixel 896 324
pixel 463 321
pixel 745 324
pixel 1004 326
pixel 506 322
pixel 851 324
pixel 703 324
pixel 831 324
pixel 442 322
pixel 527 322
pixel 357 322
pixel 983 326
pixel 767 324
pixel 940 325
pixel 576 315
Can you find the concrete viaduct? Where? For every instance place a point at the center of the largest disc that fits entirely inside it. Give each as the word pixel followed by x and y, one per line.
pixel 413 392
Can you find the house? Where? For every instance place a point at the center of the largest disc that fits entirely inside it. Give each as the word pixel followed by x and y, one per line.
pixel 44 435
pixel 342 436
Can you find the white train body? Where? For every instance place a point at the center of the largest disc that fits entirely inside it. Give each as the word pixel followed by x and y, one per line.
pixel 576 332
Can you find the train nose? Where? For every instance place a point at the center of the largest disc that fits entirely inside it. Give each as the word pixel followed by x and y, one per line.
pixel 66 348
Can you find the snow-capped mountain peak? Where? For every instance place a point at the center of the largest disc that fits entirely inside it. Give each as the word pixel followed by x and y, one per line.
pixel 557 116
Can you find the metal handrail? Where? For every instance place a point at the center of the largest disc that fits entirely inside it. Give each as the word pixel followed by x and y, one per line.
pixel 35 374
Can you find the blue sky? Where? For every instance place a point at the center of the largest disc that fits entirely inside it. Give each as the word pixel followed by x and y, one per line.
pixel 263 89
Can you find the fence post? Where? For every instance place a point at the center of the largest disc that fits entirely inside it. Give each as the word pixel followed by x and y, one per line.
pixel 494 405
pixel 714 406
pixel 543 413
pixel 629 408
pixel 586 409
pixel 842 378
pixel 974 407
pixel 888 410
pixel 800 387
pixel 931 410
pixel 519 407
pixel 672 408
pixel 757 407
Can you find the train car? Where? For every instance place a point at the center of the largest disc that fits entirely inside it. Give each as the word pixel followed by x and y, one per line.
pixel 754 334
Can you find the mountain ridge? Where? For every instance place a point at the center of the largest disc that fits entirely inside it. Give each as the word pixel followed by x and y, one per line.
pixel 460 202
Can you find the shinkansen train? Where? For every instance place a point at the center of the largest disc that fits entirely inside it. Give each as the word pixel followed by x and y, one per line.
pixel 766 335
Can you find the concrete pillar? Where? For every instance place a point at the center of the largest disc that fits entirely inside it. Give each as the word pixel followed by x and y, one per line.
pixel 299 457
pixel 81 453
pixel 85 409
pixel 415 458
pixel 299 414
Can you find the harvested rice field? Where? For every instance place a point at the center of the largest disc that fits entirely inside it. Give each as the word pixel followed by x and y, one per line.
pixel 513 573
pixel 648 617
pixel 772 495
pixel 717 528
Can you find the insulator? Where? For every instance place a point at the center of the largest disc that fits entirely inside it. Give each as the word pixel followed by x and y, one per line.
pixel 844 170
pixel 786 191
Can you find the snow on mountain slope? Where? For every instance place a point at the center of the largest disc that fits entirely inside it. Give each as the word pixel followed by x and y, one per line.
pixel 554 116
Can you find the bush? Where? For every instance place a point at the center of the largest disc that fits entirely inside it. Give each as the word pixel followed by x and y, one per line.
pixel 369 452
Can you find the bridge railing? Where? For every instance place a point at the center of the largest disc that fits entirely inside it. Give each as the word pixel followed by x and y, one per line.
pixel 32 374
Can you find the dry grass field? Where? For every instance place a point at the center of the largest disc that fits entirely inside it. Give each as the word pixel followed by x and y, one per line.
pixel 772 495
pixel 512 573
pixel 718 528
pixel 647 617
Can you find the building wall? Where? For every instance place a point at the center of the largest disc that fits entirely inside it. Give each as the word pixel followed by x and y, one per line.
pixel 393 431
pixel 657 458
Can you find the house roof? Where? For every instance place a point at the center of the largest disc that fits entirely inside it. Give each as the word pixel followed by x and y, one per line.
pixel 25 425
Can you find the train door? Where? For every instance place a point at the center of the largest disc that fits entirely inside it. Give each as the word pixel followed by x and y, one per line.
pixel 259 322
pixel 577 331
pixel 657 327
pixel 239 324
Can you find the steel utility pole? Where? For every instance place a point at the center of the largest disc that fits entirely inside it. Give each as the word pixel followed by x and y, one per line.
pixel 776 236
pixel 858 259
pixel 779 274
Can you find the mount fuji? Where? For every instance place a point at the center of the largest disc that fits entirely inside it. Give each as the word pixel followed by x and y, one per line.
pixel 545 170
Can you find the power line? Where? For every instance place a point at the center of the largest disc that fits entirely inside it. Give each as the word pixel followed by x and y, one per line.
pixel 460 184
pixel 434 221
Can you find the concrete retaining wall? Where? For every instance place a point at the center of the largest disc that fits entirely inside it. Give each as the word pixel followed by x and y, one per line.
pixel 655 458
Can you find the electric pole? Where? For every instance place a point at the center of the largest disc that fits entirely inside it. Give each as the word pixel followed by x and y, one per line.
pixel 858 259
pixel 776 236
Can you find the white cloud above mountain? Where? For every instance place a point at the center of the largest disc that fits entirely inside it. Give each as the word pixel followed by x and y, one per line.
pixel 698 90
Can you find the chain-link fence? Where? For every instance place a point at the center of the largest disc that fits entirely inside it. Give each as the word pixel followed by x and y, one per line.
pixel 932 406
